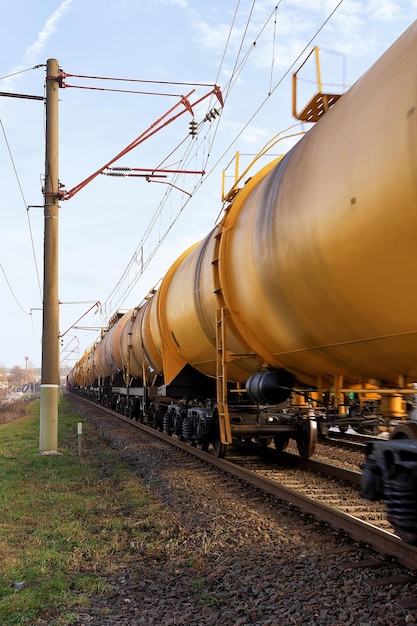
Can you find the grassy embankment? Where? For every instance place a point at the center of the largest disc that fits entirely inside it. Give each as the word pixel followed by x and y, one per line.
pixel 67 520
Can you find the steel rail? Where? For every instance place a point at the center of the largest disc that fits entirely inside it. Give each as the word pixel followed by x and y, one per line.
pixel 318 467
pixel 380 540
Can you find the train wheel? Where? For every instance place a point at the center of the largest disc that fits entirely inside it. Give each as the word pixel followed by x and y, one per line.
pixel 406 536
pixel 323 430
pixel 205 446
pixel 204 443
pixel 363 429
pixel 281 442
pixel 307 438
pixel 219 448
pixel 404 431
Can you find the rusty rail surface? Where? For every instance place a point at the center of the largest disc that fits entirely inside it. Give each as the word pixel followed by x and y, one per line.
pixel 380 540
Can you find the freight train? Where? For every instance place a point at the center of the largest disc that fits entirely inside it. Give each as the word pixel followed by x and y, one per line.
pixel 299 309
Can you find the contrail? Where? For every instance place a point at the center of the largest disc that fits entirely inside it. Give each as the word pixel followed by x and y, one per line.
pixel 31 54
pixel 32 51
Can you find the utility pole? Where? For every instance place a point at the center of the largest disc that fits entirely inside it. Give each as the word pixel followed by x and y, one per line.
pixel 50 376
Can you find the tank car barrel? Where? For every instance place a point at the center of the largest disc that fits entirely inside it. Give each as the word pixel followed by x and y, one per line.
pixel 318 260
pixel 305 284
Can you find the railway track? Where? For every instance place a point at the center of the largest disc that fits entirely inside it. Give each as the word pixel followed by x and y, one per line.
pixel 356 443
pixel 305 486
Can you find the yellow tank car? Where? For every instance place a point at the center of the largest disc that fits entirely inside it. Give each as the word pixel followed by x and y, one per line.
pixel 305 287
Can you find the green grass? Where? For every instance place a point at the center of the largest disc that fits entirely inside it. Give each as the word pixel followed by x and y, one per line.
pixel 65 520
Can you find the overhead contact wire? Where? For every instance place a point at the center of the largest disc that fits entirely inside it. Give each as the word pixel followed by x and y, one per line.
pixel 11 290
pixel 28 69
pixel 237 69
pixel 26 207
pixel 276 86
pixel 157 214
pixel 141 80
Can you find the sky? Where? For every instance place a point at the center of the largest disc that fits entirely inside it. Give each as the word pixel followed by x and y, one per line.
pixel 130 67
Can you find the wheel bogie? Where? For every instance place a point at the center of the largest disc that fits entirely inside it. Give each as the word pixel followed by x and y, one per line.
pixel 307 438
pixel 406 430
pixel 196 422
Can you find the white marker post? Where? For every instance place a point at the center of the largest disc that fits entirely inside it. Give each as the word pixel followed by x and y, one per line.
pixel 80 432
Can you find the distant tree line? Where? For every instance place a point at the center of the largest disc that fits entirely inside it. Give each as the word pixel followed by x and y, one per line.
pixel 13 379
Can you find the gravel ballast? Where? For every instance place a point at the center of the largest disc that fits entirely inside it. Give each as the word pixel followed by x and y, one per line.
pixel 235 557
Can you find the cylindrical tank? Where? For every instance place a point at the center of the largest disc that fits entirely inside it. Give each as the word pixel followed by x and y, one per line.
pixel 133 366
pixel 316 256
pixel 87 368
pixel 137 343
pixel 318 263
pixel 107 356
pixel 314 260
pixel 187 315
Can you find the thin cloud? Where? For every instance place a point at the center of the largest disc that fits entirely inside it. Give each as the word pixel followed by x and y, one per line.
pixel 180 3
pixel 32 51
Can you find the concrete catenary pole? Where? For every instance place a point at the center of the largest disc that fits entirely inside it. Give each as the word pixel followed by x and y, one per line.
pixel 50 375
